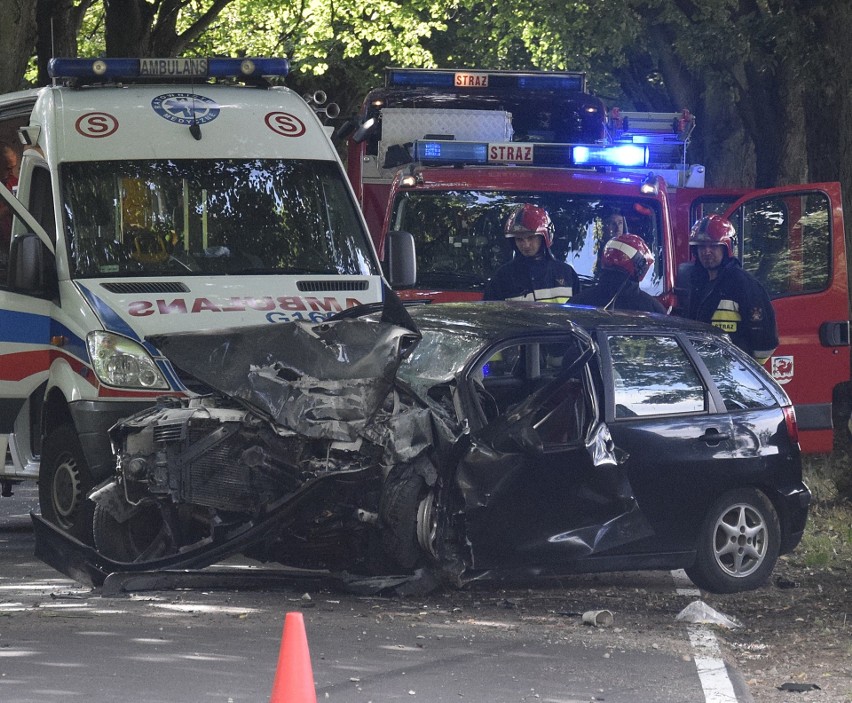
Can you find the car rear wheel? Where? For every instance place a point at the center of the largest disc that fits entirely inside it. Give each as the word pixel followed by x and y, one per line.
pixel 738 544
pixel 63 483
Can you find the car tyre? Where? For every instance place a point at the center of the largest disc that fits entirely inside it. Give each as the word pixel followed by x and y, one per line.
pixel 141 537
pixel 403 491
pixel 64 482
pixel 738 544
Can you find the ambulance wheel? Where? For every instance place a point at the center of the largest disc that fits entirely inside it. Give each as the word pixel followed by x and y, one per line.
pixel 64 480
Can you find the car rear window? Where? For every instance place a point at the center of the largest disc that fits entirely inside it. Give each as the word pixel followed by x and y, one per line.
pixel 740 386
pixel 653 375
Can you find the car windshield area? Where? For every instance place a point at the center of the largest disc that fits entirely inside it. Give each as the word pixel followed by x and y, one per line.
pixel 461 238
pixel 439 356
pixel 211 217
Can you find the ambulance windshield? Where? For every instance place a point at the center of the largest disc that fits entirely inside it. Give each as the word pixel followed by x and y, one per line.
pixel 461 239
pixel 188 217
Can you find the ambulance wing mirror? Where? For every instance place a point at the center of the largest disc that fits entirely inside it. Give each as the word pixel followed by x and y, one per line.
pixel 24 214
pixel 401 259
pixel 32 267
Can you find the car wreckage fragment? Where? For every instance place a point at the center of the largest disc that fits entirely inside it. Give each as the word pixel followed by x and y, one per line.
pixel 312 452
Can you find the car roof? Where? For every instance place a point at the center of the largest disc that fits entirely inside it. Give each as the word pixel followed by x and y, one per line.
pixel 498 318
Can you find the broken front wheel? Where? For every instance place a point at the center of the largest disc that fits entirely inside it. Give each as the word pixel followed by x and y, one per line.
pixel 143 536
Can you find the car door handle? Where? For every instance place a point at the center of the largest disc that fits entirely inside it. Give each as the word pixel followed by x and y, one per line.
pixel 713 436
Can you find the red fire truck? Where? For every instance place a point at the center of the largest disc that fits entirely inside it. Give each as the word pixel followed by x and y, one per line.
pixel 446 155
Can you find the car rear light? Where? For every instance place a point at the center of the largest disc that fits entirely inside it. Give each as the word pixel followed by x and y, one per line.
pixel 790 421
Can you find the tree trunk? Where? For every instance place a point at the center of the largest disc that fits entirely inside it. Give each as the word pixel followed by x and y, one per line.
pixel 828 103
pixel 127 27
pixel 58 24
pixel 17 33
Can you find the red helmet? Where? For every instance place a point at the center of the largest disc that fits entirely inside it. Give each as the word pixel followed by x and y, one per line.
pixel 713 229
pixel 530 219
pixel 628 253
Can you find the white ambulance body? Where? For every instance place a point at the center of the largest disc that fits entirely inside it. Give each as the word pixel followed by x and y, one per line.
pixel 145 209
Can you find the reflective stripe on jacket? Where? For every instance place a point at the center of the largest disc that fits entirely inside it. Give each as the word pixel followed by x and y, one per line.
pixel 737 304
pixel 542 280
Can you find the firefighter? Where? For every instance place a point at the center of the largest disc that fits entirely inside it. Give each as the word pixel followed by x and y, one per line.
pixel 625 261
pixel 533 273
pixel 726 296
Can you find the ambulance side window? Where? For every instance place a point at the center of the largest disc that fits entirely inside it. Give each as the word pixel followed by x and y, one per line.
pixel 41 201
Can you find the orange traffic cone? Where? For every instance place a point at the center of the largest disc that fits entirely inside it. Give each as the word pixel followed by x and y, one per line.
pixel 294 677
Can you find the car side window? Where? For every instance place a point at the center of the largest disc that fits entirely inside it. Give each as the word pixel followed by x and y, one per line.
pixel 740 387
pixel 514 372
pixel 653 375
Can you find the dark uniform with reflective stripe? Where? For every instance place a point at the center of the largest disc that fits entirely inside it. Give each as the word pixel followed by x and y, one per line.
pixel 736 303
pixel 525 278
pixel 630 295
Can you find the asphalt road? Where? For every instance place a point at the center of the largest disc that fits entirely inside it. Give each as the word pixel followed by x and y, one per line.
pixel 60 641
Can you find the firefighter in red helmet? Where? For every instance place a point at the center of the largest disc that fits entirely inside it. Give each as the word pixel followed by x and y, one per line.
pixel 726 296
pixel 533 273
pixel 624 262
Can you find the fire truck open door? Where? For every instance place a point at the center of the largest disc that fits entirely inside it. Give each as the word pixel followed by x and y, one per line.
pixel 792 240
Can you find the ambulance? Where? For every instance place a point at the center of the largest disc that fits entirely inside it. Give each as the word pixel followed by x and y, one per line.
pixel 154 196
pixel 445 155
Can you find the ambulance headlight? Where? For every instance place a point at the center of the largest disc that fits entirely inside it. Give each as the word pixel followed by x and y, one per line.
pixel 123 363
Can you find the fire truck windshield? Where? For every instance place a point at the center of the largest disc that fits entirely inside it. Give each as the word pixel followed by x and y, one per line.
pixel 185 217
pixel 461 240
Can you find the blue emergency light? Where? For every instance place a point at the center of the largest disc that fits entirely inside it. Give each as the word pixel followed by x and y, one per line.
pixel 170 68
pixel 450 152
pixel 447 152
pixel 473 80
pixel 624 155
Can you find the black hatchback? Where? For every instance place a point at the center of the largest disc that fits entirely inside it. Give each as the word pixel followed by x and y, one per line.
pixel 503 440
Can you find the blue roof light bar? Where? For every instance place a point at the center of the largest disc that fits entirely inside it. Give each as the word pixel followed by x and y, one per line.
pixel 623 155
pixel 447 152
pixel 170 68
pixel 450 152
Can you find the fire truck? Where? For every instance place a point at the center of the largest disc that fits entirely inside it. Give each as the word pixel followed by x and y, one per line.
pixel 444 156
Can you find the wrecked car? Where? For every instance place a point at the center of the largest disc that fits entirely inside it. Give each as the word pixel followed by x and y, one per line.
pixel 472 440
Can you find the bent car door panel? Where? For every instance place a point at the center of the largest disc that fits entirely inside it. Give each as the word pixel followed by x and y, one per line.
pixel 540 484
pixel 523 509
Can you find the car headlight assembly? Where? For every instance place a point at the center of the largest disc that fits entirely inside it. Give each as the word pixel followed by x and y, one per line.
pixel 123 363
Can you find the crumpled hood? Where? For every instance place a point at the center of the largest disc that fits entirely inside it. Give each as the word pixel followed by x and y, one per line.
pixel 319 380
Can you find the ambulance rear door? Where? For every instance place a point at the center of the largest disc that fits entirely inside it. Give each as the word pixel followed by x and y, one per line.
pixel 792 239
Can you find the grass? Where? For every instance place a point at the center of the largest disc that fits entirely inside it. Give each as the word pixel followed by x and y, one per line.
pixel 827 541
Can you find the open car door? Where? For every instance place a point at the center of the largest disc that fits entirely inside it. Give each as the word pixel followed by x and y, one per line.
pixel 792 240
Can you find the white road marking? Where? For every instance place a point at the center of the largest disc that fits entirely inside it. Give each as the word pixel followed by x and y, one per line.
pixel 712 672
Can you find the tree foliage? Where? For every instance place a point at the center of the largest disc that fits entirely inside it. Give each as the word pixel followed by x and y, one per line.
pixel 768 86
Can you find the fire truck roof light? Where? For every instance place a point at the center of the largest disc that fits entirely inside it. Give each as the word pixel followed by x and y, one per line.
pixel 624 155
pixel 449 152
pixel 478 80
pixel 171 68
